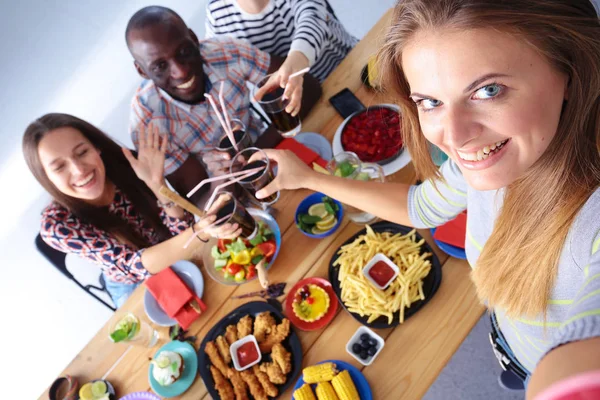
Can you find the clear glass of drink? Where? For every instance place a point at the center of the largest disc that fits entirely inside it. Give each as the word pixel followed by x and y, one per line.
pixel 274 105
pixel 241 136
pixel 239 215
pixel 347 165
pixel 130 329
pixel 258 180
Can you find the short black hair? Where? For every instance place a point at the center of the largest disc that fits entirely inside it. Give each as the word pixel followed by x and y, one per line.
pixel 150 16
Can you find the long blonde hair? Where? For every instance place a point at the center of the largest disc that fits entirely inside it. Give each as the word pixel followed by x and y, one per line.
pixel 518 265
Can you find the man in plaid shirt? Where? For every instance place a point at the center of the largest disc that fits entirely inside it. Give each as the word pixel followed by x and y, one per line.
pixel 178 70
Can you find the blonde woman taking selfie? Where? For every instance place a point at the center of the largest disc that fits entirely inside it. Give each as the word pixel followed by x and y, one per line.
pixel 510 91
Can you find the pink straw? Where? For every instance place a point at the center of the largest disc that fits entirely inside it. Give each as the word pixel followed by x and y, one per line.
pixel 221 186
pixel 220 118
pixel 298 73
pixel 225 218
pixel 220 177
pixel 225 113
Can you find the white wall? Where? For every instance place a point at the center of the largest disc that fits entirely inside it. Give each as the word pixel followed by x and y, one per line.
pixel 67 56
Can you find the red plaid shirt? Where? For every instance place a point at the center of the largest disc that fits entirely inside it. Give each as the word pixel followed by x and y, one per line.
pixel 192 127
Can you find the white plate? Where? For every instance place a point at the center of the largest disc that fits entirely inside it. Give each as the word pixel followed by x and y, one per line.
pixel 388 169
pixel 317 143
pixel 190 274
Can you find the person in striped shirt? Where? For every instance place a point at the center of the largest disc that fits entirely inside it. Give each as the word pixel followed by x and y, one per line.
pixel 306 32
pixel 510 92
pixel 178 71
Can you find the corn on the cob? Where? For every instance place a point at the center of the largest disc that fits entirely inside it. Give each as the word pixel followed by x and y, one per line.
pixel 325 391
pixel 344 387
pixel 319 373
pixel 304 393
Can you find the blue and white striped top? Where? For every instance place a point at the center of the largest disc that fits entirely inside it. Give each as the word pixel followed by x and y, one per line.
pixel 574 308
pixel 308 26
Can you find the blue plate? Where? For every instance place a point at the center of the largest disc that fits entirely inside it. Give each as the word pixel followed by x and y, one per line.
pixel 453 251
pixel 190 360
pixel 317 143
pixel 314 199
pixel 191 276
pixel 362 386
pixel 253 308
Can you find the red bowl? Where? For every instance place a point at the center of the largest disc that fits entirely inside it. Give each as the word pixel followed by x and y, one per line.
pixel 374 135
pixel 323 321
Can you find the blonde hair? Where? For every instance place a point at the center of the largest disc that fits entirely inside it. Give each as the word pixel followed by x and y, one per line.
pixel 518 265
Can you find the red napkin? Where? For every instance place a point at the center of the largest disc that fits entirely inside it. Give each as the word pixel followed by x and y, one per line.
pixel 173 296
pixel 304 153
pixel 453 232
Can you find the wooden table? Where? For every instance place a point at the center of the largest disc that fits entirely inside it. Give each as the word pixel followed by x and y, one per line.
pixel 414 353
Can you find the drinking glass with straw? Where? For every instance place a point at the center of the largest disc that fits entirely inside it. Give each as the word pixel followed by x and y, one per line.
pixel 241 136
pixel 257 180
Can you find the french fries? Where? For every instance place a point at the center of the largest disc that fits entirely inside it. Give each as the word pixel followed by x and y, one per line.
pixel 360 296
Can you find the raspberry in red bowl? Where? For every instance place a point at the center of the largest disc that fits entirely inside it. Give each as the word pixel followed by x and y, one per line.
pixel 374 135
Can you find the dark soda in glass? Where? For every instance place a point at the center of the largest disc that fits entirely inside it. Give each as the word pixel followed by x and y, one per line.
pixel 239 216
pixel 258 180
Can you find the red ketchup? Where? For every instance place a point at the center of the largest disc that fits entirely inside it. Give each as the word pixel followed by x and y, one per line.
pixel 381 273
pixel 247 354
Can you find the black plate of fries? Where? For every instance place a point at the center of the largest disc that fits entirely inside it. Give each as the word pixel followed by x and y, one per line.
pixel 385 309
pixel 291 344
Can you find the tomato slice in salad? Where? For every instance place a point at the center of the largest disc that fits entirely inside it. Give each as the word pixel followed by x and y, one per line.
pixel 233 268
pixel 251 272
pixel 222 243
pixel 268 248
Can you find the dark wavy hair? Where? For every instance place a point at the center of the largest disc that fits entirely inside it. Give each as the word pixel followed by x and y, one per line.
pixel 118 171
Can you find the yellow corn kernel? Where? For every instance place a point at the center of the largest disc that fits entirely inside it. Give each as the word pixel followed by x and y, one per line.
pixel 344 387
pixel 304 393
pixel 319 373
pixel 325 391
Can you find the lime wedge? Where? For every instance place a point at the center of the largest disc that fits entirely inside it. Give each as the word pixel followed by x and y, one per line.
pixel 363 176
pixel 325 226
pixel 318 210
pixel 86 393
pixel 99 389
pixel 126 328
pixel 316 231
pixel 162 362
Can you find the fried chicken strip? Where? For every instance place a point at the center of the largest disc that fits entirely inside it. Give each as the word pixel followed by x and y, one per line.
pixel 263 378
pixel 277 335
pixel 282 358
pixel 274 373
pixel 215 358
pixel 222 385
pixel 244 327
pixel 223 347
pixel 231 334
pixel 256 389
pixel 239 386
pixel 263 325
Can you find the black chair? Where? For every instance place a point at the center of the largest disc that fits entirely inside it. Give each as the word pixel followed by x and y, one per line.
pixel 57 258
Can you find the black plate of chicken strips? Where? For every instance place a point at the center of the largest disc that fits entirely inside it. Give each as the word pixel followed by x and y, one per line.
pixel 280 347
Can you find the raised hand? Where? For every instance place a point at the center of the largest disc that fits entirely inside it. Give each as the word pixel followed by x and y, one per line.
pixel 150 163
pixel 225 231
pixel 292 173
pixel 294 62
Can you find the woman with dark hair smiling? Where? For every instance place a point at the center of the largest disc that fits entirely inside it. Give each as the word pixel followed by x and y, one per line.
pixel 107 206
pixel 510 90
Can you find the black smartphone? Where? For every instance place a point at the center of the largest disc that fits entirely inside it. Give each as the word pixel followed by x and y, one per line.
pixel 346 103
